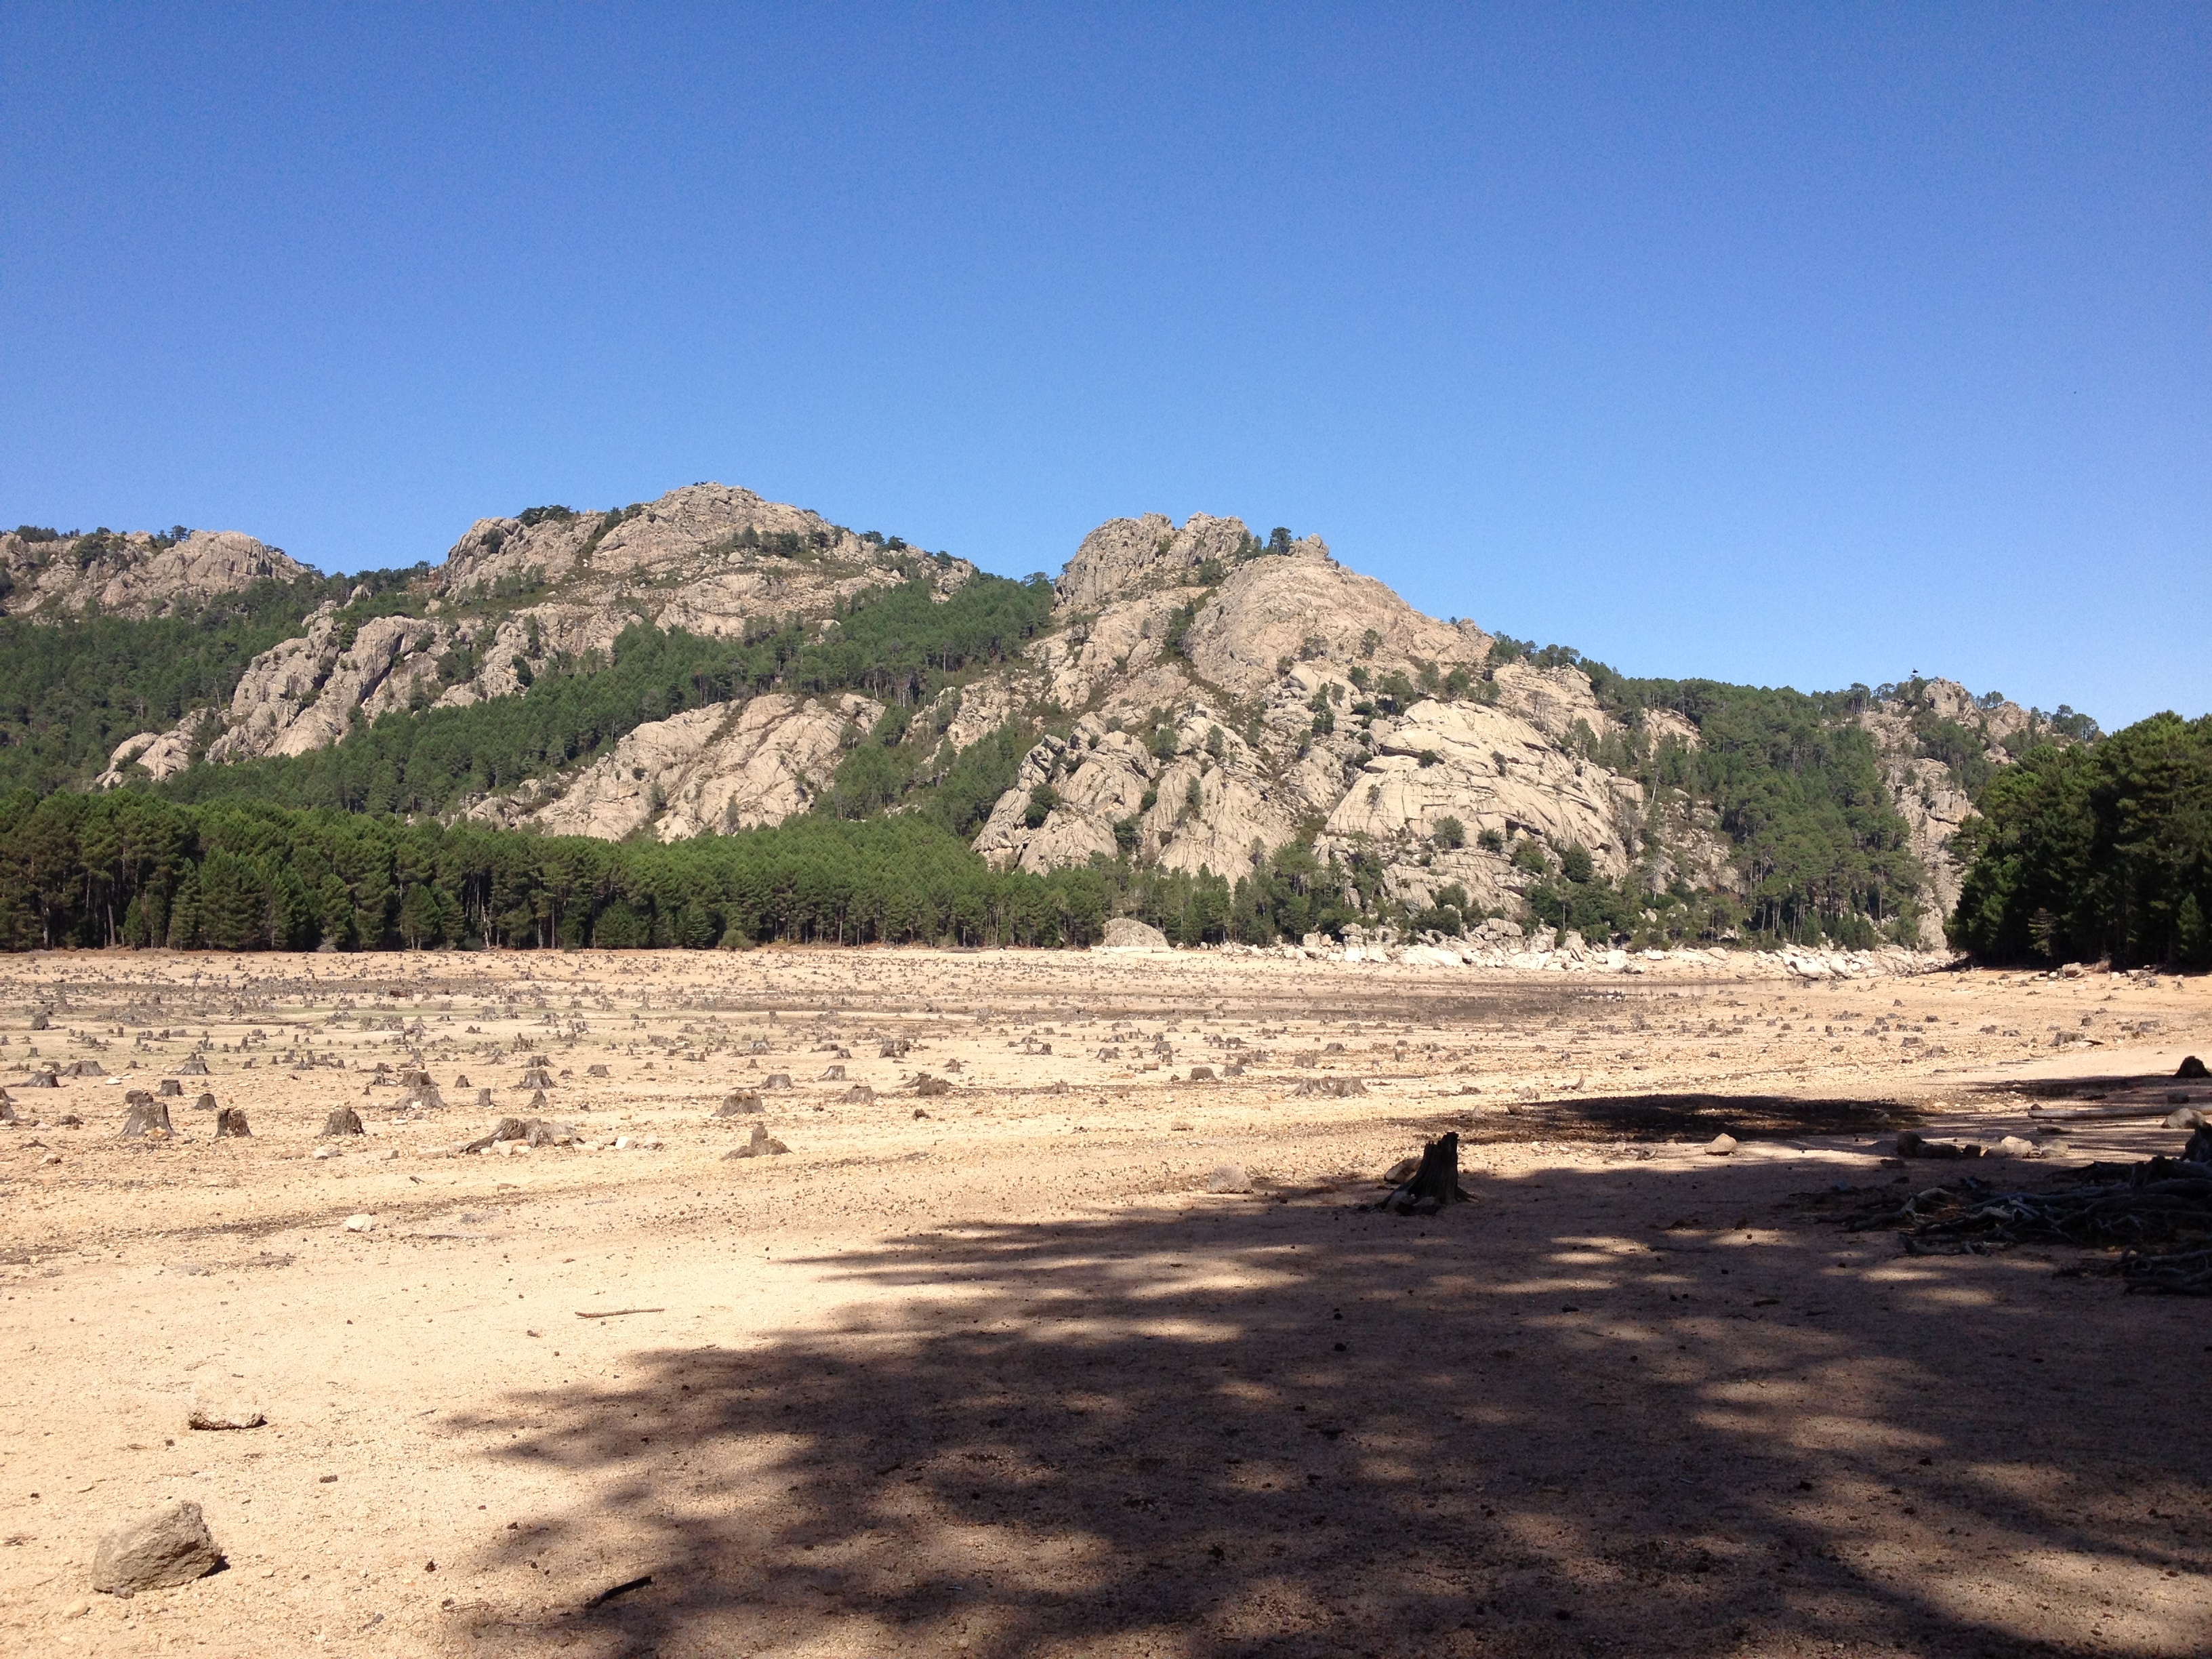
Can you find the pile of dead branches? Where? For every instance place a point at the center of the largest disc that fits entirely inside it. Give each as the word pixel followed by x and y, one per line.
pixel 2135 1208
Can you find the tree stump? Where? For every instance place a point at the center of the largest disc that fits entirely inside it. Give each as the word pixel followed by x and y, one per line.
pixel 508 1128
pixel 170 1086
pixel 145 1116
pixel 1434 1182
pixel 231 1120
pixel 344 1122
pixel 738 1102
pixel 205 1102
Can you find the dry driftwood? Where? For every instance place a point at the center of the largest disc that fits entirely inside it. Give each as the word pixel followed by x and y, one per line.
pixel 2135 1206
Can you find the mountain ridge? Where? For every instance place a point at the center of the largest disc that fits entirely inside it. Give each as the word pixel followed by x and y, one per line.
pixel 1195 698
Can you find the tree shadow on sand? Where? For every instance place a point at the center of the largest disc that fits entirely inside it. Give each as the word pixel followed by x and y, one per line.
pixel 1260 1425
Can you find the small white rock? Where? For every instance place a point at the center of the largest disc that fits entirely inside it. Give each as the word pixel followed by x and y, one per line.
pixel 361 1224
pixel 1720 1145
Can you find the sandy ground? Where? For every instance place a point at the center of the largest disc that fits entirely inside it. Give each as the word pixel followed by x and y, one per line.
pixel 1009 1379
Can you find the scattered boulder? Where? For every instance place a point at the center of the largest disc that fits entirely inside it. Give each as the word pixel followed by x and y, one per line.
pixel 2193 1067
pixel 1911 1144
pixel 1127 933
pixel 1228 1178
pixel 146 1116
pixel 231 1120
pixel 164 1547
pixel 363 1223
pixel 2188 1117
pixel 1720 1145
pixel 762 1145
pixel 219 1402
pixel 344 1122
pixel 738 1102
pixel 2016 1146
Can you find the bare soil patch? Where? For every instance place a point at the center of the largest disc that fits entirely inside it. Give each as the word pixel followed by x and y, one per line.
pixel 995 1370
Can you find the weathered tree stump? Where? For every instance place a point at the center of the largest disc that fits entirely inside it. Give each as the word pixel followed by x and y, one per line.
pixel 508 1128
pixel 145 1116
pixel 231 1120
pixel 40 1020
pixel 1434 1182
pixel 344 1122
pixel 170 1086
pixel 738 1102
pixel 832 1074
pixel 762 1145
pixel 2193 1067
pixel 206 1103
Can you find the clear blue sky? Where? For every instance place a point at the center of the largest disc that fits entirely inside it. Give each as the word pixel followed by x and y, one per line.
pixel 1791 344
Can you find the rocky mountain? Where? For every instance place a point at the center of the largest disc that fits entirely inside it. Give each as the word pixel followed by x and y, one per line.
pixel 137 574
pixel 1198 700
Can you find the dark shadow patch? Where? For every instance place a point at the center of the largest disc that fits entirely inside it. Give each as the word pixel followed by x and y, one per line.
pixel 1087 1438
pixel 1683 1117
